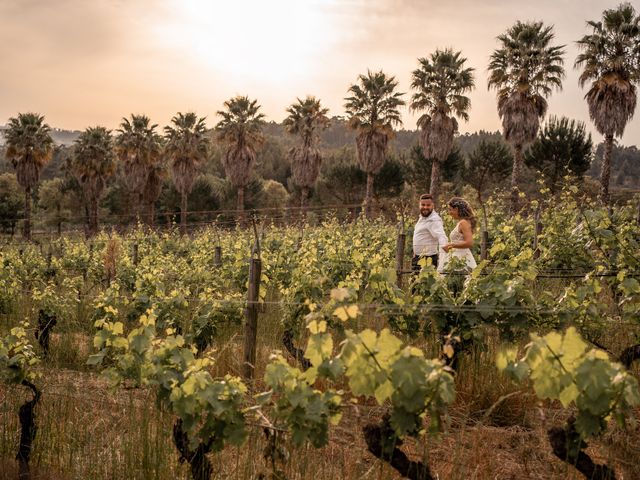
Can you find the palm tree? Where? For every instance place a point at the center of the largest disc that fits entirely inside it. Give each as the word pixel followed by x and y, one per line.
pixel 372 110
pixel 305 118
pixel 524 71
pixel 187 148
pixel 611 61
pixel 139 148
pixel 92 163
pixel 29 148
pixel 441 83
pixel 241 130
pixel 153 188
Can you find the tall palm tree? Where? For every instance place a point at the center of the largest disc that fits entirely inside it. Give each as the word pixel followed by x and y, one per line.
pixel 241 130
pixel 187 148
pixel 611 61
pixel 92 163
pixel 524 71
pixel 306 118
pixel 29 148
pixel 139 148
pixel 441 82
pixel 372 110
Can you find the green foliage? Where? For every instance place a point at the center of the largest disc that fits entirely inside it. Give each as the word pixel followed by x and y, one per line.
pixel 389 182
pixel 562 367
pixel 378 366
pixel 373 104
pixel 419 168
pixel 609 60
pixel 212 314
pixel 343 180
pixel 488 165
pixel 563 147
pixel 55 198
pixel 375 366
pixel 330 282
pixel 29 147
pixel 305 411
pixel 211 410
pixel 187 148
pixel 240 129
pixel 93 158
pixel 440 84
pixel 17 357
pixel 11 203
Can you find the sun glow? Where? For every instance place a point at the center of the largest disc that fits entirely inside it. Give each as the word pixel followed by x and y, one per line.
pixel 250 41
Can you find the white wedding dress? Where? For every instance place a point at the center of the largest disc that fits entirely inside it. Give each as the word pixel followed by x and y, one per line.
pixel 463 253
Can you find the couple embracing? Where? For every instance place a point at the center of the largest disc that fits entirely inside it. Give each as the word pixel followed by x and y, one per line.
pixel 430 241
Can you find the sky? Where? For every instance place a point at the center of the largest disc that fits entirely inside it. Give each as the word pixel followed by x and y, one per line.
pixel 86 63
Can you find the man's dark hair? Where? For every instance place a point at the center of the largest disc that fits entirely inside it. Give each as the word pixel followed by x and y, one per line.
pixel 426 196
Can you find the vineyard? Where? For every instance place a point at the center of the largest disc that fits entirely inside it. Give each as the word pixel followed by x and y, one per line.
pixel 313 352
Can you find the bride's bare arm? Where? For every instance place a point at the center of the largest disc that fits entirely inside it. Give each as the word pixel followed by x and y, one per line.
pixel 467 233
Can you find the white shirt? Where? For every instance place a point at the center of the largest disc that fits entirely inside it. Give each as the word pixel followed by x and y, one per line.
pixel 428 235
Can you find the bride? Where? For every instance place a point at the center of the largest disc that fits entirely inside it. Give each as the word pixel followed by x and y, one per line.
pixel 461 237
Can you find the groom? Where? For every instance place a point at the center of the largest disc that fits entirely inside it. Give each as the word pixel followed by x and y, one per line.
pixel 428 235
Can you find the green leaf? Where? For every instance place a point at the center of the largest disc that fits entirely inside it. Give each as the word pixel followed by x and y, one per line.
pixel 383 392
pixel 568 395
pixel 95 359
pixel 319 347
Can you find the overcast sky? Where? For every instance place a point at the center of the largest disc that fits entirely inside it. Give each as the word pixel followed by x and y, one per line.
pixel 90 62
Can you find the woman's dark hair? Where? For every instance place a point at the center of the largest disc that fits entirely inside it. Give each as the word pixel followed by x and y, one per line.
pixel 464 210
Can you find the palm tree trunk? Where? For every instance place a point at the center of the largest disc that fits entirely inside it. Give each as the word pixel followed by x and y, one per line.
pixel 183 212
pixel 27 213
pixel 484 233
pixel 151 214
pixel 554 177
pixel 87 216
pixel 304 196
pixel 93 217
pixel 132 196
pixel 58 220
pixel 516 173
pixel 240 205
pixel 139 208
pixel 434 185
pixel 368 198
pixel 605 174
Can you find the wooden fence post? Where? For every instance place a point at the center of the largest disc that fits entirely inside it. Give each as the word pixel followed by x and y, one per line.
pixel 484 250
pixel 400 242
pixel 251 316
pixel 538 232
pixel 217 256
pixel 135 254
